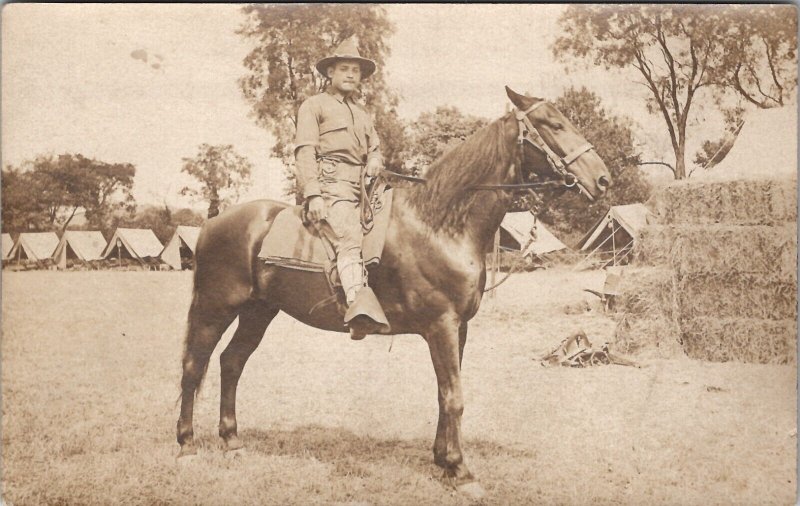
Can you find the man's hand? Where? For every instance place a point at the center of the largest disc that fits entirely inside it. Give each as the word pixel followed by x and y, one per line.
pixel 374 166
pixel 317 210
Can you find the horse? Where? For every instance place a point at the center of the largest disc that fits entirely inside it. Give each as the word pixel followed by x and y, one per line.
pixel 430 279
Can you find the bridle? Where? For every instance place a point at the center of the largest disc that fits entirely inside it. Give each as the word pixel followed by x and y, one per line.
pixel 528 133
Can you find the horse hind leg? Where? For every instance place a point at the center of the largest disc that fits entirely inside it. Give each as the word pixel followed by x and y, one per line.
pixel 253 322
pixel 204 332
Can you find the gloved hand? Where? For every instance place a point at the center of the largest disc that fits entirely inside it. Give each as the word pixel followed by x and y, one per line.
pixel 374 166
pixel 317 210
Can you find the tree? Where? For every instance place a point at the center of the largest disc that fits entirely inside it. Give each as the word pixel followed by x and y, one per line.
pixel 21 210
pixel 759 60
pixel 280 75
pixel 222 174
pixel 614 141
pixel 436 132
pixel 47 192
pixel 684 54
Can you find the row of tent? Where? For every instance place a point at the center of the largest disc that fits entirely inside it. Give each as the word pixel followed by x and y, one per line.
pixel 87 246
pixel 610 241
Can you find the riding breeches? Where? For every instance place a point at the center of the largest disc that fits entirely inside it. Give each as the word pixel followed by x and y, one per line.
pixel 344 230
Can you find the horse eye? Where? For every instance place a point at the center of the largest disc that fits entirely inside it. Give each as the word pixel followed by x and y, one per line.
pixel 558 126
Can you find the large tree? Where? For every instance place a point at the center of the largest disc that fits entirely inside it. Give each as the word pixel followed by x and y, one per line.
pixel 613 138
pixel 221 172
pixel 280 74
pixel 685 54
pixel 47 192
pixel 435 132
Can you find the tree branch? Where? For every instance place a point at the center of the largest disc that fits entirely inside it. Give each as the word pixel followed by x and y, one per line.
pixel 647 73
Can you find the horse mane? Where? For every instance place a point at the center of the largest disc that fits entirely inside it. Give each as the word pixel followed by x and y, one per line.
pixel 443 202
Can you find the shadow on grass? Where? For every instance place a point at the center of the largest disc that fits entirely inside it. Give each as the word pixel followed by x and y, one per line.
pixel 353 454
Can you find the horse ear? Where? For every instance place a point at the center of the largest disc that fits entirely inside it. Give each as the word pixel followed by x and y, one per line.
pixel 521 101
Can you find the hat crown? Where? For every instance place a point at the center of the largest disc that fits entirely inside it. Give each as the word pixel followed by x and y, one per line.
pixel 347 48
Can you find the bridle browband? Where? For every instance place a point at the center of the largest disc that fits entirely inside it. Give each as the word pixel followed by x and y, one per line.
pixel 527 133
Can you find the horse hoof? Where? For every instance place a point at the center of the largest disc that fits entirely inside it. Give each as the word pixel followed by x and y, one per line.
pixel 472 490
pixel 236 453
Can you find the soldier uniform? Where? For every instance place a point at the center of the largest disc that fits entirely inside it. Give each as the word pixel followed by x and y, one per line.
pixel 344 140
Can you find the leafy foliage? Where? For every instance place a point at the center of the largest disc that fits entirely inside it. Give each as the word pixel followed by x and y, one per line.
pixel 47 192
pixel 280 74
pixel 436 132
pixel 613 139
pixel 681 51
pixel 160 219
pixel 222 174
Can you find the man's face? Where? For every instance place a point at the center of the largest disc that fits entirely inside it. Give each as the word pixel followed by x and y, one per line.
pixel 345 76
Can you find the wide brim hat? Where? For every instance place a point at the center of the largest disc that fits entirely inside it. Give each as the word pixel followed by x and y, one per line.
pixel 347 50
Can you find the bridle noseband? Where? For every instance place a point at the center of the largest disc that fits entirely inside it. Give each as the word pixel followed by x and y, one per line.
pixel 529 133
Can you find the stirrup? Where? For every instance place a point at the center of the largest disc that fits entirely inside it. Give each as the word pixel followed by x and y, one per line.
pixel 365 315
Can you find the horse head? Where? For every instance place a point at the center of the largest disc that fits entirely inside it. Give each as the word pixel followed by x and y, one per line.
pixel 553 147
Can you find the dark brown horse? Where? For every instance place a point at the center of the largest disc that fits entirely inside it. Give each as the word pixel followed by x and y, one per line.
pixel 430 279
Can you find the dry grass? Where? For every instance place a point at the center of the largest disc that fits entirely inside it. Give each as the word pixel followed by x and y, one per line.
pixel 91 368
pixel 763 202
pixel 715 249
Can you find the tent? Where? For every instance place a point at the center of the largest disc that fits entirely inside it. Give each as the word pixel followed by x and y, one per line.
pixel 135 243
pixel 180 248
pixel 545 242
pixel 7 244
pixel 34 246
pixel 522 232
pixel 611 240
pixel 79 245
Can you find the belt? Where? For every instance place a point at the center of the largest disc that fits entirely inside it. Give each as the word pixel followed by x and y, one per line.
pixel 340 170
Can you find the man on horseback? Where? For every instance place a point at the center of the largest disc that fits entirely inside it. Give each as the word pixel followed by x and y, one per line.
pixel 335 147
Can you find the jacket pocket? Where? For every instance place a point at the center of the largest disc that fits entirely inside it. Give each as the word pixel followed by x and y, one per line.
pixel 332 125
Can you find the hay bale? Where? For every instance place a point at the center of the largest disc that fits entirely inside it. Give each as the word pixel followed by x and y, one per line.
pixel 654 336
pixel 647 292
pixel 646 311
pixel 740 339
pixel 759 202
pixel 734 295
pixel 721 249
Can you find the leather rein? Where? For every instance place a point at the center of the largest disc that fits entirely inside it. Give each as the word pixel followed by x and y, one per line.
pixel 527 133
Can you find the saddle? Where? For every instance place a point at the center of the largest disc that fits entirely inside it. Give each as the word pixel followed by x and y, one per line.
pixel 294 243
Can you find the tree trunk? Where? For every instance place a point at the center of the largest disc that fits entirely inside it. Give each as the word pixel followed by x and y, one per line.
pixel 680 160
pixel 213 208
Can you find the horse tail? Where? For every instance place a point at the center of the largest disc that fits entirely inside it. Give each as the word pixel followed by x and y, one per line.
pixel 224 279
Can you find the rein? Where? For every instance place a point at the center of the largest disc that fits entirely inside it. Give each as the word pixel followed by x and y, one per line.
pixel 527 133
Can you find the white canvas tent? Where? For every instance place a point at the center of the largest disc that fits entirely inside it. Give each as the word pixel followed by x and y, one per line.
pixel 544 243
pixel 522 232
pixel 35 246
pixel 7 243
pixel 181 245
pixel 79 245
pixel 611 240
pixel 136 243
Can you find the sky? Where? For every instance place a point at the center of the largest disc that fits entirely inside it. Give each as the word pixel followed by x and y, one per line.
pixel 147 84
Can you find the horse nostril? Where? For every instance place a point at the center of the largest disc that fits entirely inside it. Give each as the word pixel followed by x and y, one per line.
pixel 603 182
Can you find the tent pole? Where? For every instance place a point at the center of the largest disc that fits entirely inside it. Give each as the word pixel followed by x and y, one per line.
pixel 614 242
pixel 495 262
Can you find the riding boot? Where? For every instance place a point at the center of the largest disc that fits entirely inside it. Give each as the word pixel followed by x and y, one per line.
pixel 364 313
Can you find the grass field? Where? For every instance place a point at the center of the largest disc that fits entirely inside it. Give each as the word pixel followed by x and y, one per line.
pixel 90 373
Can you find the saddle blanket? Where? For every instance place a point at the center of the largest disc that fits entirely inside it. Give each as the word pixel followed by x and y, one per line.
pixel 292 244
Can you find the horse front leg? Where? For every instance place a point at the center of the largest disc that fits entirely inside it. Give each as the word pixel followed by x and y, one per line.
pixel 445 344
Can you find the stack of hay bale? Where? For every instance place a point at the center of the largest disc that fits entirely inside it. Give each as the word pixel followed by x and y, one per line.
pixel 715 276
